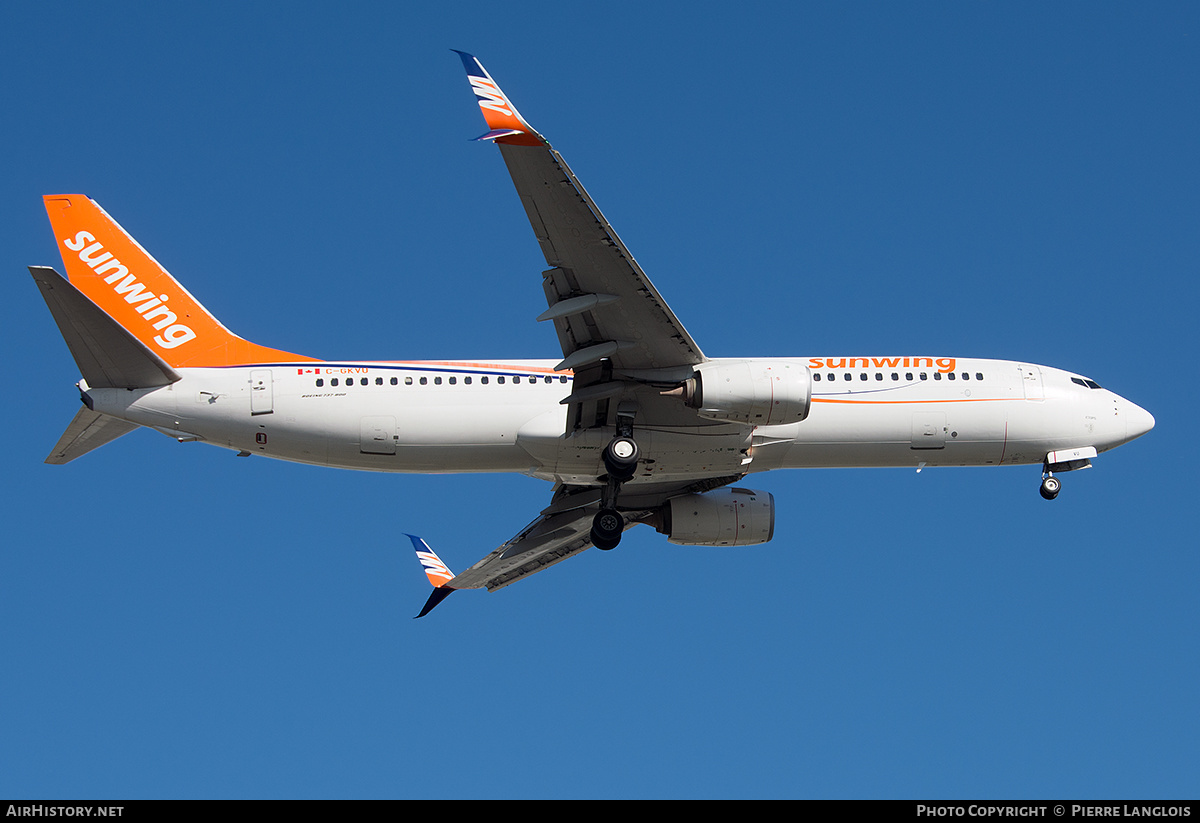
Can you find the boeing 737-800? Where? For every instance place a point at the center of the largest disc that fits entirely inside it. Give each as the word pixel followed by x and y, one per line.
pixel 632 424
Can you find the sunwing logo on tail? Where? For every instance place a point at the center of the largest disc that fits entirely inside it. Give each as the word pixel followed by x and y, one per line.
pixel 435 569
pixel 490 96
pixel 146 303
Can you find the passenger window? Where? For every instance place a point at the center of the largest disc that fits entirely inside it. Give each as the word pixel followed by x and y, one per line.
pixel 395 381
pixel 924 376
pixel 908 375
pixel 500 380
pixel 466 381
pixel 978 375
pixel 895 376
pixel 437 381
pixel 453 381
pixel 562 379
pixel 966 375
pixel 424 381
pixel 484 380
pixel 320 382
pixel 862 376
pixel 408 381
pixel 950 376
pixel 878 375
pixel 817 376
pixel 937 375
pixel 849 376
pixel 378 381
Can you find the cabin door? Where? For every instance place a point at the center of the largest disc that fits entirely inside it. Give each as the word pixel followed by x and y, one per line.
pixel 1031 382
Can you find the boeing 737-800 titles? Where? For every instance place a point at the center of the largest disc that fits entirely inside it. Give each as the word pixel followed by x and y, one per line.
pixel 633 424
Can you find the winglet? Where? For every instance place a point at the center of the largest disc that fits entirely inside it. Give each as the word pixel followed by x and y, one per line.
pixel 438 573
pixel 505 123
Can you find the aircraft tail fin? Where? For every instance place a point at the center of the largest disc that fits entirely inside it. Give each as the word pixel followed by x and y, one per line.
pixel 121 278
pixel 438 573
pixel 89 430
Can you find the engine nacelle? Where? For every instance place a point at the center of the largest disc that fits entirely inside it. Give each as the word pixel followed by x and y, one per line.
pixel 764 392
pixel 723 517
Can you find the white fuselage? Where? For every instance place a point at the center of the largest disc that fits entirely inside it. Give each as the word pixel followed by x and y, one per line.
pixel 506 416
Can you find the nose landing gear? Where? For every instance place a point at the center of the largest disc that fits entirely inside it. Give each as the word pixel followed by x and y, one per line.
pixel 1050 486
pixel 1064 460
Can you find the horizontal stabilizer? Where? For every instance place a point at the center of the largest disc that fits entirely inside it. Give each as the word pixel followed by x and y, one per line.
pixel 108 356
pixel 89 430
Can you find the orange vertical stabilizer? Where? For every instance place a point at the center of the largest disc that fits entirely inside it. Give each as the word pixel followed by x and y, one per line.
pixel 121 277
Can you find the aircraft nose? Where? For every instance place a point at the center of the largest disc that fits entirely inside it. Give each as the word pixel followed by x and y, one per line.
pixel 1138 421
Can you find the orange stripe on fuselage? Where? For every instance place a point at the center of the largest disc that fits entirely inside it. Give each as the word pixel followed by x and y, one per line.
pixel 909 402
pixel 461 364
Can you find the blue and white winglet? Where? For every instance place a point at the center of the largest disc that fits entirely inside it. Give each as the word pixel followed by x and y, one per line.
pixel 505 123
pixel 438 573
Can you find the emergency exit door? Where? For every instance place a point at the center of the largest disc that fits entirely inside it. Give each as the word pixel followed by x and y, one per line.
pixel 262 399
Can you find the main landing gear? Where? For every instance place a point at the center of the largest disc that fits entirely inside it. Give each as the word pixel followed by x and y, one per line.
pixel 620 461
pixel 607 526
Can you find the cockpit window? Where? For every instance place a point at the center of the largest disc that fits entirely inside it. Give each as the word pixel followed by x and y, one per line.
pixel 1083 381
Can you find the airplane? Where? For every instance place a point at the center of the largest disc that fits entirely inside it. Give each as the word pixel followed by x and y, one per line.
pixel 633 424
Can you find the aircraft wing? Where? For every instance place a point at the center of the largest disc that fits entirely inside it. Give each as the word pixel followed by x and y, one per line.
pixel 562 530
pixel 601 303
pixel 550 539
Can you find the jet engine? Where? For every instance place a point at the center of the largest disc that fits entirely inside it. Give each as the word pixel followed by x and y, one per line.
pixel 723 517
pixel 766 392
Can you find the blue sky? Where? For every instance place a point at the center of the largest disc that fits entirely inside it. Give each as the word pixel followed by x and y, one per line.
pixel 996 180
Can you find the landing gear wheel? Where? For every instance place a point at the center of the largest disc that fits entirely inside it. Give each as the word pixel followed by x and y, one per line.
pixel 607 526
pixel 621 458
pixel 1050 487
